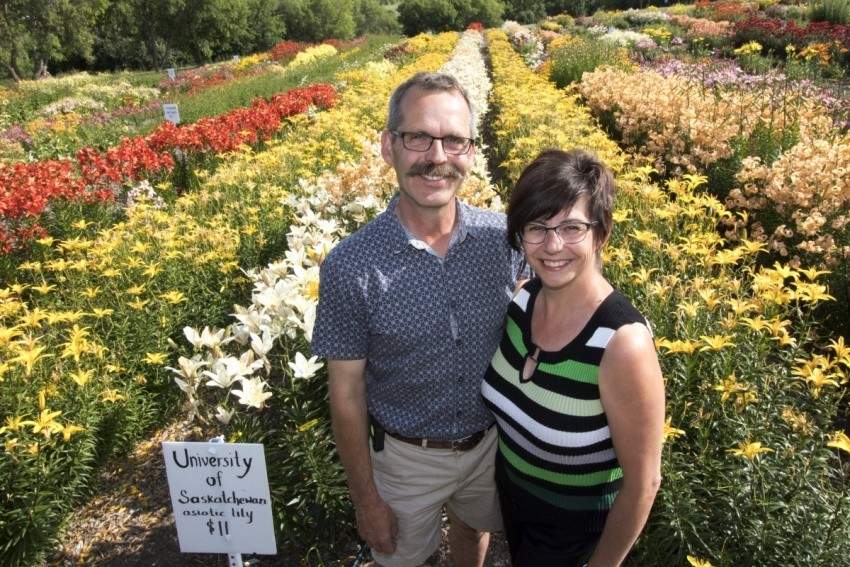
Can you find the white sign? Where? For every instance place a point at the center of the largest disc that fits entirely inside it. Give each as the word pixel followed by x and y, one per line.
pixel 172 74
pixel 220 497
pixel 236 59
pixel 172 114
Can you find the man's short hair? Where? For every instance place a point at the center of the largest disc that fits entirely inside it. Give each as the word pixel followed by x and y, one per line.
pixel 553 182
pixel 427 82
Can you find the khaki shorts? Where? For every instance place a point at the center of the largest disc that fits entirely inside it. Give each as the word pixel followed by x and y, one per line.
pixel 417 482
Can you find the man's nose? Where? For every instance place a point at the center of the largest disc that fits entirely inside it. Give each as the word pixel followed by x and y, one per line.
pixel 436 153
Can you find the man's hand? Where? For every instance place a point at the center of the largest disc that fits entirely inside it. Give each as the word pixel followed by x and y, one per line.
pixel 377 524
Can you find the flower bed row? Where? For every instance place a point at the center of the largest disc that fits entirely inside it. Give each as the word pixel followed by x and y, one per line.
pixel 26 189
pixel 774 152
pixel 87 328
pixel 99 99
pixel 751 399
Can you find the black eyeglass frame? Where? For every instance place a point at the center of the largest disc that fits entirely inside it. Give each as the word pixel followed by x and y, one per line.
pixel 555 228
pixel 399 134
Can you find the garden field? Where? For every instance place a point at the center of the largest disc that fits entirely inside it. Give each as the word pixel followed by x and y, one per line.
pixel 152 272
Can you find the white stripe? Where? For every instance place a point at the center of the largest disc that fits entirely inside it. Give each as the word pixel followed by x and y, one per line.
pixel 519 439
pixel 521 299
pixel 546 434
pixel 600 337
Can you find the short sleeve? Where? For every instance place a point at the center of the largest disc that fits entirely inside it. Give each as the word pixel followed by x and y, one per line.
pixel 341 331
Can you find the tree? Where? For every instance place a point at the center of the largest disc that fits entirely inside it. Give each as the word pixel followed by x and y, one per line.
pixel 370 16
pixel 315 20
pixel 35 33
pixel 212 28
pixel 525 11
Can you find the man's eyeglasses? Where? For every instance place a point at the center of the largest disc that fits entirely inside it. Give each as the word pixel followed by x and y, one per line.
pixel 569 232
pixel 421 142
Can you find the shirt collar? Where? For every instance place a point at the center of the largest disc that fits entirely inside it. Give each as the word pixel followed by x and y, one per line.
pixel 401 238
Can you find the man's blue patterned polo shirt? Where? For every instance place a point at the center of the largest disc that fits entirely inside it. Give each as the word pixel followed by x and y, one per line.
pixel 427 326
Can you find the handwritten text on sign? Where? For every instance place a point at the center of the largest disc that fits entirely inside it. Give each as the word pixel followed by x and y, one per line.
pixel 220 496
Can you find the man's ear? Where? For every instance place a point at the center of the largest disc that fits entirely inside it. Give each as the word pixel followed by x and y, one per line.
pixel 387 146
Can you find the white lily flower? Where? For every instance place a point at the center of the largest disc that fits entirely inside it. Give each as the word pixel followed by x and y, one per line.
pixel 223 415
pixel 272 296
pixel 188 367
pixel 229 369
pixel 210 339
pixel 253 393
pixel 183 385
pixel 304 367
pixel 252 318
pixel 262 344
pixel 309 321
pixel 241 334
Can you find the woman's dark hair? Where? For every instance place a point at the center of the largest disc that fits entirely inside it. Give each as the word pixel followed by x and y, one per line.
pixel 553 182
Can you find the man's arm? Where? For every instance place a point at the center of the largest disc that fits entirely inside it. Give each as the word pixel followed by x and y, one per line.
pixel 376 522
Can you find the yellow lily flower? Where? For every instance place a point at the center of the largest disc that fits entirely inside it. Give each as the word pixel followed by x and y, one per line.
pixel 91 292
pixel 77 344
pixel 82 377
pixel 749 450
pixel 784 271
pixel 110 395
pixel 46 423
pixel 28 358
pixel 696 562
pixel 839 440
pixel 812 273
pixel 670 432
pixel 152 269
pixel 811 292
pixel 44 288
pixel 33 318
pixel 716 342
pixel 173 297
pixel 68 430
pixel 7 334
pixel 136 290
pixel 155 358
pixel 138 304
pixel 15 423
pixel 140 247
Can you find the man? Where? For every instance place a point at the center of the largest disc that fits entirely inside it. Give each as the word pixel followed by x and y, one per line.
pixel 410 312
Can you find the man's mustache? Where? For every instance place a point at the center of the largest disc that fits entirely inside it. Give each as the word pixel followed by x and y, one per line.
pixel 434 170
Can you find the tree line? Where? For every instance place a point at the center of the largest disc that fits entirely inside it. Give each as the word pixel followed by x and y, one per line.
pixel 38 37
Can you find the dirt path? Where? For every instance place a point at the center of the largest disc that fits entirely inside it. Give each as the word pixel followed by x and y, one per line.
pixel 128 523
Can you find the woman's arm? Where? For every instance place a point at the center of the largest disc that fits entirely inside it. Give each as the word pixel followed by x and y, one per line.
pixel 632 392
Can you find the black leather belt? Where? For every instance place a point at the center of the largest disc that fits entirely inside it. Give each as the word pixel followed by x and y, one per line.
pixel 462 444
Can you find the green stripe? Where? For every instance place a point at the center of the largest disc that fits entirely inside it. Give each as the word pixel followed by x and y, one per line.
pixel 572 369
pixel 515 334
pixel 588 479
pixel 543 397
pixel 587 503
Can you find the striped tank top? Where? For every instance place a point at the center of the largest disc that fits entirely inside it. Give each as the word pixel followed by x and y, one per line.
pixel 556 462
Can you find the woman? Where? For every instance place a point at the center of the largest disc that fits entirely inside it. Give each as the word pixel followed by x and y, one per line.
pixel 575 385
